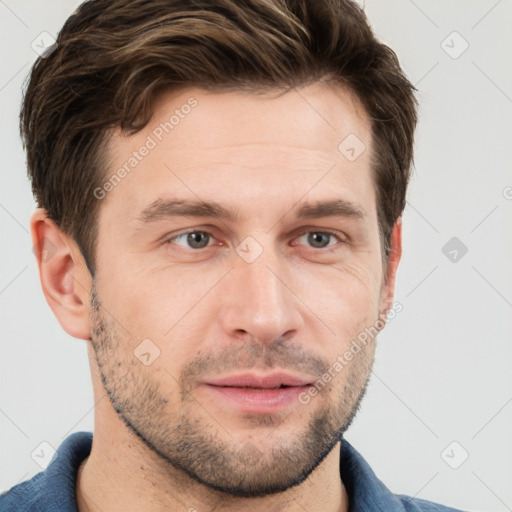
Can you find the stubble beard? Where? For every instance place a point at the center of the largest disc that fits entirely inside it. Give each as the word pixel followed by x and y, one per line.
pixel 191 441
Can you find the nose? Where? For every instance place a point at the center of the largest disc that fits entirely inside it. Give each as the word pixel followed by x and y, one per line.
pixel 259 301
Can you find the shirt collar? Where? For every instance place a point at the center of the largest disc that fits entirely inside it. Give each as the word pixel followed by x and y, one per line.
pixel 365 491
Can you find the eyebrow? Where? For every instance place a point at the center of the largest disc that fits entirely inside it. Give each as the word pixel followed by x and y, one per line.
pixel 161 209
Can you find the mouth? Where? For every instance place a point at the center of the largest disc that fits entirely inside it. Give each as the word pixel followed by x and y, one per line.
pixel 262 394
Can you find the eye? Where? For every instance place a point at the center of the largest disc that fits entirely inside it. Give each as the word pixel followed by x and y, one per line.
pixel 194 239
pixel 320 239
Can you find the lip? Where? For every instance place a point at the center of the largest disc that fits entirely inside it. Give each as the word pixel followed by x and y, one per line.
pixel 264 394
pixel 252 380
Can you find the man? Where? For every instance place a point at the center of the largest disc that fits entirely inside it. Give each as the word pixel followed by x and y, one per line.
pixel 220 187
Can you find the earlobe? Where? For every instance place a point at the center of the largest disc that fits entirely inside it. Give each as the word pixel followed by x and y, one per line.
pixel 388 288
pixel 64 277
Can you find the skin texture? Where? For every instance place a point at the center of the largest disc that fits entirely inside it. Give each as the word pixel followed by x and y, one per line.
pixel 162 439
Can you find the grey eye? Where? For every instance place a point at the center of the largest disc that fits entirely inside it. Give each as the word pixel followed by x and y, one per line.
pixel 194 239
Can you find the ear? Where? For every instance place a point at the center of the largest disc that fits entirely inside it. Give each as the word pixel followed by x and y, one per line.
pixel 64 276
pixel 388 288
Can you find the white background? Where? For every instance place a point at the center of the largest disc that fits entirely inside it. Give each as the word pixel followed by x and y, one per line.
pixel 443 365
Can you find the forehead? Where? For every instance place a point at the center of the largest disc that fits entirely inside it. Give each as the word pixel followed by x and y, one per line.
pixel 242 145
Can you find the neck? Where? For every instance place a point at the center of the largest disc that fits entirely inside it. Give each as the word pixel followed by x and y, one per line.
pixel 122 474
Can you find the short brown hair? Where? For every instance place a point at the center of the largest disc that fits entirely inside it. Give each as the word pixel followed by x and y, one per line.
pixel 114 56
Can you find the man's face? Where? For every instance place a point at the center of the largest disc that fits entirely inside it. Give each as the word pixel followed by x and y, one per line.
pixel 208 342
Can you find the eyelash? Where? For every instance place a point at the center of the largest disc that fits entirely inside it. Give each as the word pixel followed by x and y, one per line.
pixel 335 234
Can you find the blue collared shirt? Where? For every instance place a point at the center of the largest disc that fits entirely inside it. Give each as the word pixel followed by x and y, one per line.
pixel 53 489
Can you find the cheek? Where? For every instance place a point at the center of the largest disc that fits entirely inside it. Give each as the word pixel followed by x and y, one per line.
pixel 364 280
pixel 346 299
pixel 167 308
pixel 143 296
